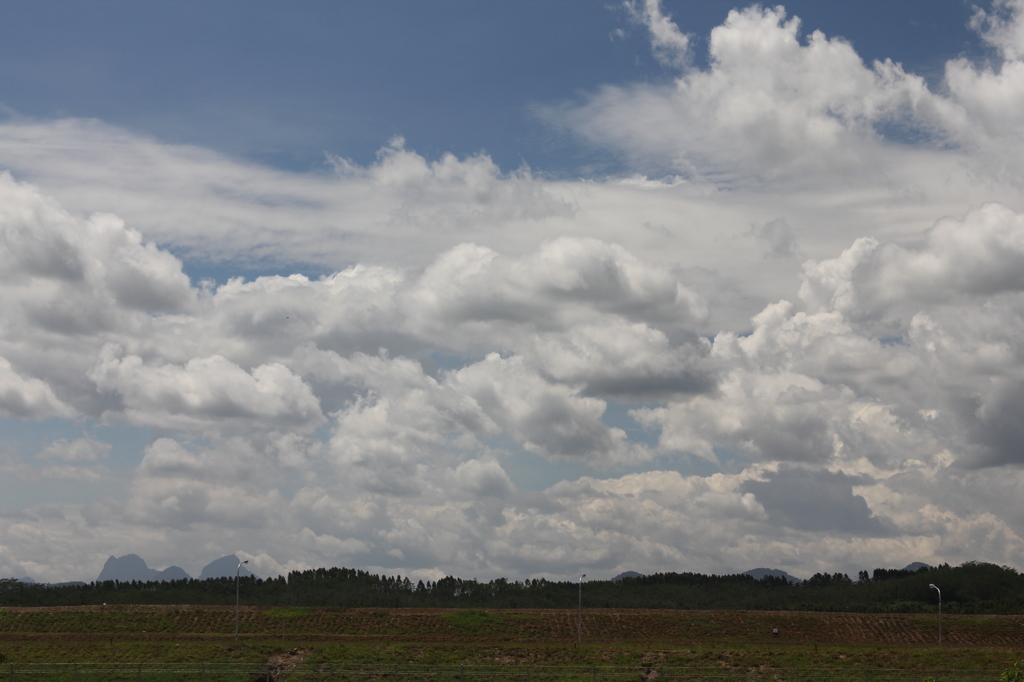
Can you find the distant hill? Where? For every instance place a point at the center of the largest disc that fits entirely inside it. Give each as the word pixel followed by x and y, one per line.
pixel 224 567
pixel 917 566
pixel 173 573
pixel 132 567
pixel 756 573
pixel 759 573
pixel 27 580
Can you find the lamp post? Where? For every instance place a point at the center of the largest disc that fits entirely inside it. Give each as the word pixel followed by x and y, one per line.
pixel 579 616
pixel 940 611
pixel 237 571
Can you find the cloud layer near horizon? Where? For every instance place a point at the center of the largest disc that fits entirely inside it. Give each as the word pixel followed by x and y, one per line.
pixel 798 345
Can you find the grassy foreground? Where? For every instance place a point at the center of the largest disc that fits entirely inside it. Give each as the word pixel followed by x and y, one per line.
pixel 734 640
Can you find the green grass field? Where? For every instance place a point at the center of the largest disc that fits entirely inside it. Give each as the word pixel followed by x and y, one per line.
pixel 733 641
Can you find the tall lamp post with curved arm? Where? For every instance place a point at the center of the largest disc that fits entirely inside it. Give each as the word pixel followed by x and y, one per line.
pixel 237 571
pixel 579 617
pixel 940 611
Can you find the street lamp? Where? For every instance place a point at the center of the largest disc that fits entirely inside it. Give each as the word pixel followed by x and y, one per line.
pixel 940 611
pixel 237 571
pixel 579 617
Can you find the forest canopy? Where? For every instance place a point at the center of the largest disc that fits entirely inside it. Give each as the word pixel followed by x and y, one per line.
pixel 975 588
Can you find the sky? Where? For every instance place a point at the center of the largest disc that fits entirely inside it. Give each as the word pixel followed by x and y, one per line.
pixel 517 289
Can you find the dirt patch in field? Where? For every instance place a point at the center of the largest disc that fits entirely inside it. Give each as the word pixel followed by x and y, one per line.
pixel 280 663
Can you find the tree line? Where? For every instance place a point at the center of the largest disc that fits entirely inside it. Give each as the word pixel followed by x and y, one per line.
pixel 976 588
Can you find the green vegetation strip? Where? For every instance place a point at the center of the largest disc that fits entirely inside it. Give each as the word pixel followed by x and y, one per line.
pixel 462 673
pixel 739 642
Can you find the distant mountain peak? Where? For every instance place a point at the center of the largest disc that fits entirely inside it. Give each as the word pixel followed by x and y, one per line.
pixel 224 567
pixel 760 573
pixel 132 567
pixel 627 574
